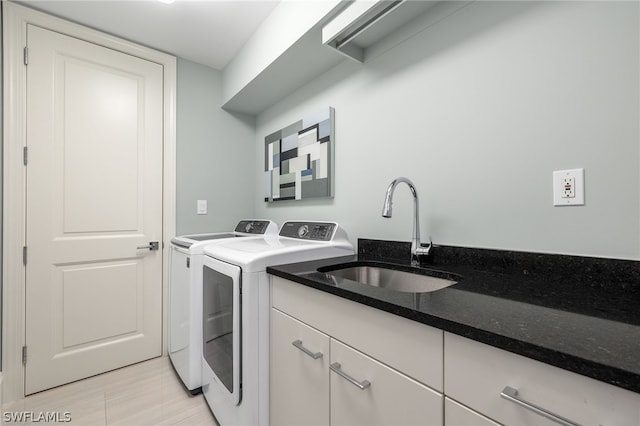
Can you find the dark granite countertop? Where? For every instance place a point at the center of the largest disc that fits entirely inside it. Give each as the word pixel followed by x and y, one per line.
pixel 578 313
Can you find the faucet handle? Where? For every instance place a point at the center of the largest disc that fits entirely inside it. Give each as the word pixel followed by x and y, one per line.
pixel 421 253
pixel 424 250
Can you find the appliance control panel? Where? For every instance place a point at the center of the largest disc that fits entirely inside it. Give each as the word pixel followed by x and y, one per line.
pixel 317 231
pixel 252 226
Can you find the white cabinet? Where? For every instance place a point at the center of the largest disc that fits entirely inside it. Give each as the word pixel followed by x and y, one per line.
pixel 476 374
pixel 416 374
pixel 360 376
pixel 299 380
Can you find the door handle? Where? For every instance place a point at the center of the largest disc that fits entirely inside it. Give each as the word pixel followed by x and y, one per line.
pixel 153 245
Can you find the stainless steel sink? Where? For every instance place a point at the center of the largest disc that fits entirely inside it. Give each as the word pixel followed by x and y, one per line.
pixel 416 281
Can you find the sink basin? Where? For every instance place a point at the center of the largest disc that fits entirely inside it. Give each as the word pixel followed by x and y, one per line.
pixel 408 280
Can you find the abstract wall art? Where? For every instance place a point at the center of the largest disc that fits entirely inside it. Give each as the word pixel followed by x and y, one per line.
pixel 298 159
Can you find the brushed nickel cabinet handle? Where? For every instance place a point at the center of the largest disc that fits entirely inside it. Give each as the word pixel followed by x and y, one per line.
pixel 362 385
pixel 511 394
pixel 314 355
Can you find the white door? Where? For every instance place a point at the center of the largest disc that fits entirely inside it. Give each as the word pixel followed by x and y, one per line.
pixel 94 194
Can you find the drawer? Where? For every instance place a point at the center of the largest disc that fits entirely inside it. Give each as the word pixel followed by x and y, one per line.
pixel 413 348
pixel 389 398
pixel 459 415
pixel 476 374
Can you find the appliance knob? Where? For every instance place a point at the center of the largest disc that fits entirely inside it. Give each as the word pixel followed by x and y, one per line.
pixel 303 231
pixel 249 227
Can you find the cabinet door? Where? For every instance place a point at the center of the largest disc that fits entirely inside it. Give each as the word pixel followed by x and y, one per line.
pixel 477 374
pixel 459 415
pixel 299 382
pixel 374 394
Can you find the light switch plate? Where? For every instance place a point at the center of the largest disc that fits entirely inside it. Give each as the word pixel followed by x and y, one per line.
pixel 202 207
pixel 568 187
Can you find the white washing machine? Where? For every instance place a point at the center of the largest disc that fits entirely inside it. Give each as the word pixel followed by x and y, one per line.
pixel 185 295
pixel 235 315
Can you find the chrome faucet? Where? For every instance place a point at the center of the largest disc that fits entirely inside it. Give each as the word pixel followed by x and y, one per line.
pixel 416 249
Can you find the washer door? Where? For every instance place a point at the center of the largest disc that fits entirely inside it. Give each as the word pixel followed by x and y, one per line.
pixel 221 325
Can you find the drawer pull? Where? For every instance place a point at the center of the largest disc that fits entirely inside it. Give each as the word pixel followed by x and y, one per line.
pixel 335 367
pixel 511 394
pixel 298 344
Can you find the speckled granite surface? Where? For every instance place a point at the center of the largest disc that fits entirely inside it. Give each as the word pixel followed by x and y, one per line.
pixel 577 313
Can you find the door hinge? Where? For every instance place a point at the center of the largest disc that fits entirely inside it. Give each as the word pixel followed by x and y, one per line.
pixel 24 355
pixel 24 255
pixel 188 263
pixel 26 55
pixel 25 155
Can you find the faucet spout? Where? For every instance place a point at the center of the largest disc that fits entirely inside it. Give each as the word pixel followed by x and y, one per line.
pixel 387 210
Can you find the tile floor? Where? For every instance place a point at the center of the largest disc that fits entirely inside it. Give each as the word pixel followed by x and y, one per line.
pixel 149 393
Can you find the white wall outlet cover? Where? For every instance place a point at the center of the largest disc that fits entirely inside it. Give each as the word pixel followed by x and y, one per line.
pixel 202 207
pixel 568 187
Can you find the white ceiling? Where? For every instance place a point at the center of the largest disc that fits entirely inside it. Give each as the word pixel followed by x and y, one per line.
pixel 209 32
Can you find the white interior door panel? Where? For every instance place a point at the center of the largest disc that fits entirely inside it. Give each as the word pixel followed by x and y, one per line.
pixel 94 195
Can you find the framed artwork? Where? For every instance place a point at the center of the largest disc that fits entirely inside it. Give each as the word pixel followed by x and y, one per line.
pixel 298 159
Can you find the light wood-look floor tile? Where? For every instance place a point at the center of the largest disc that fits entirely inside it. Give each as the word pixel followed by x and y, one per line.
pixel 149 393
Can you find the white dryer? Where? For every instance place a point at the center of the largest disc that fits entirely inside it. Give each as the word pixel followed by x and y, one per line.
pixel 235 315
pixel 185 295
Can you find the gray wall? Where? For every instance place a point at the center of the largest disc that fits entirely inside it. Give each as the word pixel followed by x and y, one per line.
pixel 214 150
pixel 479 110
